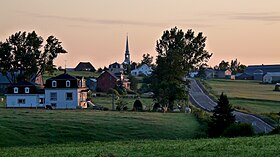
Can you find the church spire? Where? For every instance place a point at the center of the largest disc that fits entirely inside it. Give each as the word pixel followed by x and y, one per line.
pixel 126 47
pixel 126 55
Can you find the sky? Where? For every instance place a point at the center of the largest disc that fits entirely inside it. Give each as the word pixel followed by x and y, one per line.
pixel 95 30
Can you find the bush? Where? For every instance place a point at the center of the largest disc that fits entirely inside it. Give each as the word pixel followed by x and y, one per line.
pixel 137 106
pixel 121 106
pixel 156 106
pixel 113 91
pixel 276 130
pixel 239 130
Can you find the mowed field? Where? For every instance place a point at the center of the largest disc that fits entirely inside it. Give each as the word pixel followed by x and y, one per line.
pixel 248 94
pixel 27 127
pixel 220 147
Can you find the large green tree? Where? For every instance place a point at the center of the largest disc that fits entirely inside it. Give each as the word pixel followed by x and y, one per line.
pixel 24 56
pixel 222 117
pixel 178 52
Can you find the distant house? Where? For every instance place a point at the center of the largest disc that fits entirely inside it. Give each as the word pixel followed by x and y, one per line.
pixel 258 71
pixel 106 81
pixel 65 92
pixel 272 77
pixel 223 73
pixel 193 74
pixel 243 76
pixel 91 84
pixel 25 94
pixel 209 73
pixel 4 83
pixel 117 69
pixel 84 66
pixel 142 70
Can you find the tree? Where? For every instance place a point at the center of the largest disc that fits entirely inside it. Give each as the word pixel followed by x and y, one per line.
pixel 24 56
pixel 178 52
pixel 133 82
pixel 223 65
pixel 222 117
pixel 147 59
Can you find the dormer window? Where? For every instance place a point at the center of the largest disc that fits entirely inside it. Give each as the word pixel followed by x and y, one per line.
pixel 16 90
pixel 54 84
pixel 26 90
pixel 67 83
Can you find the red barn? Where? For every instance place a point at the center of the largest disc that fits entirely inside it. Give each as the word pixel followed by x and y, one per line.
pixel 106 81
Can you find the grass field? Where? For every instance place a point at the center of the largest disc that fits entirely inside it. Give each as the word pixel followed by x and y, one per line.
pixel 107 102
pixel 251 146
pixel 73 73
pixel 248 94
pixel 23 127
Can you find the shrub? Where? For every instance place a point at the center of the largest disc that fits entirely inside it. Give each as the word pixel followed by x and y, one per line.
pixel 276 130
pixel 156 106
pixel 137 106
pixel 113 91
pixel 239 130
pixel 121 106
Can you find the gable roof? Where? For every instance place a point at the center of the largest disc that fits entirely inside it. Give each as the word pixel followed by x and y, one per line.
pixel 87 66
pixel 109 72
pixel 3 79
pixel 251 69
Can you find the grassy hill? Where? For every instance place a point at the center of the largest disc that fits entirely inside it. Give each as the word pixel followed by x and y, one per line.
pixel 22 127
pixel 251 95
pixel 73 73
pixel 253 146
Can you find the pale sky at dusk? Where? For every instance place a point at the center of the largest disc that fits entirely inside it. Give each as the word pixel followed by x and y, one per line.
pixel 95 31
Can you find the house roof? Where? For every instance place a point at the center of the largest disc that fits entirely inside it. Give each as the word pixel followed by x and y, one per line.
pixel 64 76
pixel 265 68
pixel 84 65
pixel 107 71
pixel 273 74
pixel 3 79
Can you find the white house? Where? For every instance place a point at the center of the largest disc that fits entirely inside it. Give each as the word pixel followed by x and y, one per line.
pixel 142 70
pixel 25 94
pixel 65 92
pixel 271 77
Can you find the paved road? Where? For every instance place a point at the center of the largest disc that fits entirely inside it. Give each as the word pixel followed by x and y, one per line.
pixel 200 98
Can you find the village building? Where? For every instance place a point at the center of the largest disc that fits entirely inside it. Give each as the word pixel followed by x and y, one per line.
pixel 243 76
pixel 271 77
pixel 65 92
pixel 107 80
pixel 85 66
pixel 25 94
pixel 142 70
pixel 91 84
pixel 258 71
pixel 117 69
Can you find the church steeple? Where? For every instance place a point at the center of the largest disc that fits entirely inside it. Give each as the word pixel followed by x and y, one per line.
pixel 126 55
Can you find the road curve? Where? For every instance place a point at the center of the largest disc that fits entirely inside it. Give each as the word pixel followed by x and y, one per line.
pixel 201 99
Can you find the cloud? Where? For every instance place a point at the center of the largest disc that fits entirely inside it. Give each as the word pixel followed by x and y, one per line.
pixel 253 16
pixel 94 21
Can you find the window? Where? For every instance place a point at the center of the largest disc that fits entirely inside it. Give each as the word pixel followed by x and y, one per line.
pixel 69 96
pixel 21 101
pixel 54 84
pixel 41 101
pixel 26 90
pixel 53 96
pixel 16 90
pixel 53 104
pixel 67 83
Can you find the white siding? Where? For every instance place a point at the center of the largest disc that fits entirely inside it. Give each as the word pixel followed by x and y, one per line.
pixel 61 102
pixel 31 100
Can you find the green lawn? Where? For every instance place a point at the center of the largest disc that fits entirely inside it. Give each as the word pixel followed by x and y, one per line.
pixel 21 127
pixel 251 146
pixel 248 94
pixel 74 73
pixel 107 102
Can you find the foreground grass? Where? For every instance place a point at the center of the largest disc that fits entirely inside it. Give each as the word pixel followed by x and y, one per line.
pixel 23 127
pixel 248 94
pixel 250 146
